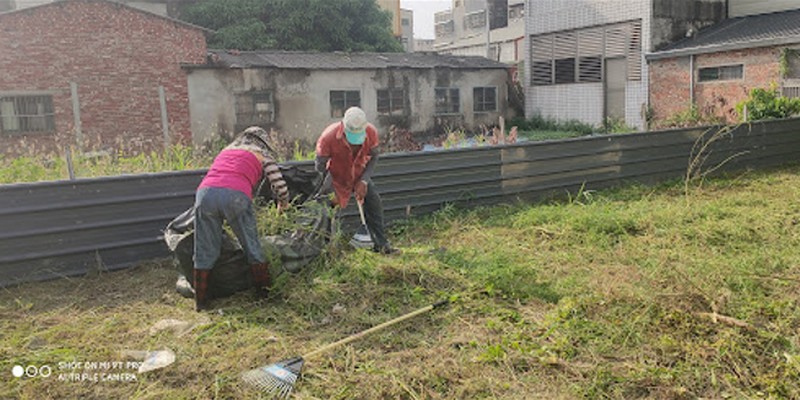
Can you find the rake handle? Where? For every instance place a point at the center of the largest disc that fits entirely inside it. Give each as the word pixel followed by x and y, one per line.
pixel 375 328
pixel 361 212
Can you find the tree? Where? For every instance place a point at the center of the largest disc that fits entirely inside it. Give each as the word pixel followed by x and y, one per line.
pixel 322 25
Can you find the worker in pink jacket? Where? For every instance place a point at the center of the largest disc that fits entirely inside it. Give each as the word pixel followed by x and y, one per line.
pixel 226 194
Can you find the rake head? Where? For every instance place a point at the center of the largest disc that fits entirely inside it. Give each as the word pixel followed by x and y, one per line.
pixel 277 379
pixel 362 239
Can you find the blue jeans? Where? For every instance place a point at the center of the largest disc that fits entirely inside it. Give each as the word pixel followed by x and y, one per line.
pixel 213 206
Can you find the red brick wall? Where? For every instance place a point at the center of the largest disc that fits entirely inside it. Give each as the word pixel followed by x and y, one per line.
pixel 669 82
pixel 117 56
pixel 669 86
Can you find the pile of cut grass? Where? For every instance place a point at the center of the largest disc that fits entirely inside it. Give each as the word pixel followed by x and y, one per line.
pixel 631 293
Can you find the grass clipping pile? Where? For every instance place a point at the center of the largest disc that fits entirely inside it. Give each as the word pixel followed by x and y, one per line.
pixel 658 293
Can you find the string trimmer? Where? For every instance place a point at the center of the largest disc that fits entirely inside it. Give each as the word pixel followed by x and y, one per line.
pixel 279 378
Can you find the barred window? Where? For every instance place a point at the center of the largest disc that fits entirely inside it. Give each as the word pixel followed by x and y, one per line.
pixel 391 101
pixel 484 99
pixel 722 73
pixel 341 100
pixel 254 108
pixel 447 101
pixel 26 114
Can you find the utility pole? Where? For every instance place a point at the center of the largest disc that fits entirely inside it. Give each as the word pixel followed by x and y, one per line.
pixel 488 30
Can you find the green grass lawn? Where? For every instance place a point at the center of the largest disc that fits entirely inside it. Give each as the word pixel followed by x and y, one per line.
pixel 632 293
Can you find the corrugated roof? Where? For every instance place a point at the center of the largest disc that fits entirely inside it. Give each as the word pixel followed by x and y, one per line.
pixel 739 33
pixel 341 60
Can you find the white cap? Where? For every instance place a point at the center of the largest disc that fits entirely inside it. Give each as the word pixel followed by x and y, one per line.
pixel 355 120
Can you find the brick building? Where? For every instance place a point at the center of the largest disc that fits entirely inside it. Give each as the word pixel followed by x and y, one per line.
pixel 95 75
pixel 718 67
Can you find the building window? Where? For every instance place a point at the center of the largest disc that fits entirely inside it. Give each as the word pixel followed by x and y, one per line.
pixel 792 63
pixel 565 70
pixel 484 99
pixel 341 100
pixel 406 22
pixel 475 20
pixel 254 108
pixel 590 69
pixel 391 101
pixel 26 114
pixel 516 11
pixel 722 73
pixel 577 56
pixel 445 29
pixel 447 101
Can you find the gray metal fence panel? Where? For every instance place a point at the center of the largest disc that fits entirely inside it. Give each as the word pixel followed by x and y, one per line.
pixel 67 228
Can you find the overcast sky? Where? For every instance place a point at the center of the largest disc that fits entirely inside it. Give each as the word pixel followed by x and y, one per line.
pixel 423 15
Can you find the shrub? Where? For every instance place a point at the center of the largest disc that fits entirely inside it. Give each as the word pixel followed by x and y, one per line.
pixel 692 116
pixel 539 123
pixel 767 104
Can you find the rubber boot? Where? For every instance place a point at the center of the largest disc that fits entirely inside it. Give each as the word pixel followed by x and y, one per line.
pixel 261 278
pixel 201 289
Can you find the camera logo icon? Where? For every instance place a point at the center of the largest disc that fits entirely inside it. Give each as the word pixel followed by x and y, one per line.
pixel 31 371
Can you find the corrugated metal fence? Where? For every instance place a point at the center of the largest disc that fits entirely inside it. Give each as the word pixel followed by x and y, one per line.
pixel 67 228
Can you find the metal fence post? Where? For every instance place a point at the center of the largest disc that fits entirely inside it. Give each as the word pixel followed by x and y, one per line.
pixel 164 120
pixel 76 114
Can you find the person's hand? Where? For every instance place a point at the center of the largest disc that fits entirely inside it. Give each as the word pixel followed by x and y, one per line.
pixel 360 191
pixel 283 206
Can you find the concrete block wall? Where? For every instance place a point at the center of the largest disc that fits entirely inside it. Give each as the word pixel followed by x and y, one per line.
pixel 118 57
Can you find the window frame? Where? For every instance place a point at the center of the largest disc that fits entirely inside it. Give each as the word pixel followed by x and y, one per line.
pixel 793 64
pixel 475 102
pixel 44 115
pixel 246 107
pixel 345 102
pixel 719 76
pixel 449 95
pixel 393 109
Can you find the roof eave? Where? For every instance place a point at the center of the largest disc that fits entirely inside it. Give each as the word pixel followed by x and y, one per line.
pixel 718 48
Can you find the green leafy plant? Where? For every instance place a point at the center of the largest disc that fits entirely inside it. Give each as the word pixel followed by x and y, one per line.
pixel 691 116
pixel 539 123
pixel 320 25
pixel 617 125
pixel 767 104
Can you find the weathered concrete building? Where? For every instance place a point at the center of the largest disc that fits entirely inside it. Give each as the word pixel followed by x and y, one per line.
pixel 94 74
pixel 300 93
pixel 716 68
pixel 585 58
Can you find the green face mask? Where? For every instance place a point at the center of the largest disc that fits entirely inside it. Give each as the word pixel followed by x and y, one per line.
pixel 355 138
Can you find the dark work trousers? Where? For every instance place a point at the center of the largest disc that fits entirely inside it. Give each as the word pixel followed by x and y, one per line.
pixel 373 214
pixel 373 210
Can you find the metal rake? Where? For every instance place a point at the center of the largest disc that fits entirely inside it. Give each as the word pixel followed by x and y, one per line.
pixel 280 378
